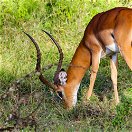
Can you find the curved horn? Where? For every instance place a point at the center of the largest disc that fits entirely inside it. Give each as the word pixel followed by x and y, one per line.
pixel 38 66
pixel 60 58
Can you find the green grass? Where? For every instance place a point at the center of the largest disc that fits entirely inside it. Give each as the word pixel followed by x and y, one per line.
pixel 66 20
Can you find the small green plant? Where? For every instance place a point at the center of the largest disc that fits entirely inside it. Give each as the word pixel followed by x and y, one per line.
pixel 15 11
pixel 123 112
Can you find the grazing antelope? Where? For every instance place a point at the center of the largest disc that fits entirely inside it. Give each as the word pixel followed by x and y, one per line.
pixel 108 33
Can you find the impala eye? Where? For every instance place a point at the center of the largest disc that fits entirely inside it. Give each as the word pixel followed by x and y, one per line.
pixel 60 95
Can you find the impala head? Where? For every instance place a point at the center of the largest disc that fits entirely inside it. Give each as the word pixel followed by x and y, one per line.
pixel 60 76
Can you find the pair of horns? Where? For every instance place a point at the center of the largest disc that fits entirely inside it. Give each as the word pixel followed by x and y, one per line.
pixel 38 64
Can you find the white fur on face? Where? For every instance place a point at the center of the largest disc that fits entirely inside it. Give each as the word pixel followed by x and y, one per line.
pixel 75 95
pixel 62 77
pixel 73 98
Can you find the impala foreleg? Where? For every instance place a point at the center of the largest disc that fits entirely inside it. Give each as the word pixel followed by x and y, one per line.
pixel 113 66
pixel 95 66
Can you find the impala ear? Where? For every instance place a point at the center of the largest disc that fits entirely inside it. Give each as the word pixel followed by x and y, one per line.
pixel 62 77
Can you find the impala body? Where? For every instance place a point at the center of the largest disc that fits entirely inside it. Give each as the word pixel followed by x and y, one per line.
pixel 108 33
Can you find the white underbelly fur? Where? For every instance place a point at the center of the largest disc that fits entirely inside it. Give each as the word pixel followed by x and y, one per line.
pixel 110 50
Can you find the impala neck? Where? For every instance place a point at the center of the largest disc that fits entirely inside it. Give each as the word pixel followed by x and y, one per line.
pixel 78 66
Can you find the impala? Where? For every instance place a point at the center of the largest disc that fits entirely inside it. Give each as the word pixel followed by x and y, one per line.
pixel 108 33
